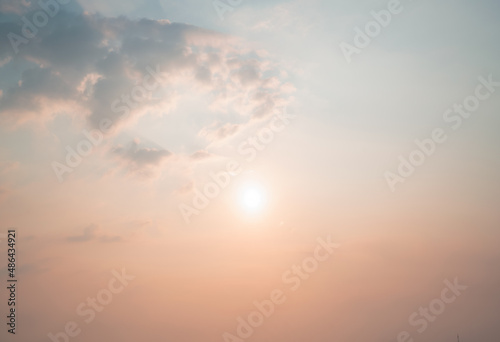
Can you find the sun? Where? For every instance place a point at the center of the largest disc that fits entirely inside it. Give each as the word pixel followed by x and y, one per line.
pixel 252 197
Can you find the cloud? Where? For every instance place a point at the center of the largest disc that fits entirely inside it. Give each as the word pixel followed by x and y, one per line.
pixel 201 155
pixel 144 162
pixel 4 193
pixel 185 189
pixel 292 18
pixel 92 233
pixel 73 47
pixel 96 67
pixel 89 233
pixel 8 167
pixel 248 75
pixel 40 93
pixel 215 132
pixel 13 6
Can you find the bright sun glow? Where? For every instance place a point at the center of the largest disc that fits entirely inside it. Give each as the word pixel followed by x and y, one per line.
pixel 252 197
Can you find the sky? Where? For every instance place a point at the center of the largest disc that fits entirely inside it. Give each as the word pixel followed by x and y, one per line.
pixel 238 170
